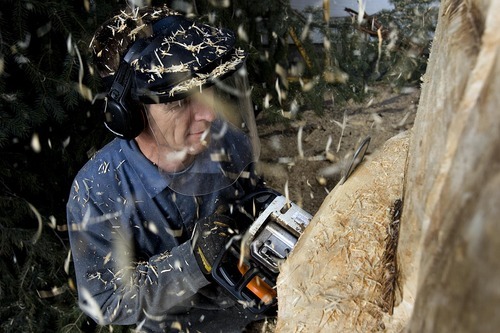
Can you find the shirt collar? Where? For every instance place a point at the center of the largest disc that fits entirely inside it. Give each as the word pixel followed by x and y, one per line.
pixel 148 173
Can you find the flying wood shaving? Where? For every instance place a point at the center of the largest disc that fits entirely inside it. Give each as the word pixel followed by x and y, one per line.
pixel 242 34
pixel 299 142
pixel 52 222
pixel 278 90
pixel 402 122
pixel 220 157
pixel 362 7
pixel 305 32
pixel 69 45
pixel 153 317
pixel 66 262
pixel 107 258
pixel 84 91
pixel 377 119
pixel 220 3
pixel 342 126
pixel 331 170
pixel 40 224
pixel 328 144
pixel 152 227
pixel 267 100
pixel 121 250
pixel 86 5
pixel 55 291
pixel 328 154
pixel 138 327
pixel 35 143
pixel 282 73
pixel 44 29
pixel 380 40
pixel 309 85
pixel 89 305
pixel 177 326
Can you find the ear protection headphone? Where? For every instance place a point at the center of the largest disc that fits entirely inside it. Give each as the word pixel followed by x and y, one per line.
pixel 123 116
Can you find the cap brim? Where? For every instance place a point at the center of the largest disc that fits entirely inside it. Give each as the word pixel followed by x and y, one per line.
pixel 189 82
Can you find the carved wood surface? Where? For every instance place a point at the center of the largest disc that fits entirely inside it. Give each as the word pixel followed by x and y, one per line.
pixel 331 281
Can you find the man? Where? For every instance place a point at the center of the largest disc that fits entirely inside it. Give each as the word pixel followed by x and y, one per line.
pixel 148 213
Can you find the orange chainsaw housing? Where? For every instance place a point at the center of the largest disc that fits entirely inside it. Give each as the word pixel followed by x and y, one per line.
pixel 260 288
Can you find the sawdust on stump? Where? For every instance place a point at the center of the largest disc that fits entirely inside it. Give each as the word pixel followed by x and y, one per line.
pixel 339 277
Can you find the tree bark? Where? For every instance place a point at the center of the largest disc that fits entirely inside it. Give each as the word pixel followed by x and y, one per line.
pixel 450 216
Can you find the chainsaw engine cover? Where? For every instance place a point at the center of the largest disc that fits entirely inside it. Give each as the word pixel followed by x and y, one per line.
pixel 275 233
pixel 249 267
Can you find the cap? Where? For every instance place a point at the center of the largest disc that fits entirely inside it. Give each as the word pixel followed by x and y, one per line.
pixel 181 56
pixel 171 55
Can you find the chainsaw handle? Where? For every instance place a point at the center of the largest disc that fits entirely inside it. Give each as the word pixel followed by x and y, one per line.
pixel 258 286
pixel 248 284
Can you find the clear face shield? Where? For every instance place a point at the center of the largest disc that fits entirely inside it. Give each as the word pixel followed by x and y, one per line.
pixel 208 140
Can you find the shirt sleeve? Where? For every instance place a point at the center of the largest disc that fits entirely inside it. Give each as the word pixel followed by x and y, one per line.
pixel 112 286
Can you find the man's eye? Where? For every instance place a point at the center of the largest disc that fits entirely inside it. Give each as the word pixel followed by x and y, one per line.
pixel 178 105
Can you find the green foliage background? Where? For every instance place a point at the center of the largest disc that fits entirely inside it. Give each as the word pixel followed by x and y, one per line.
pixel 48 129
pixel 46 133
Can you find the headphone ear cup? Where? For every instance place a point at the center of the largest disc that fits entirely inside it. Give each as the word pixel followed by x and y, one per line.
pixel 125 120
pixel 123 116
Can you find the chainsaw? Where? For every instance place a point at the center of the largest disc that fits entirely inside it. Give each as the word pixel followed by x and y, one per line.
pixel 249 267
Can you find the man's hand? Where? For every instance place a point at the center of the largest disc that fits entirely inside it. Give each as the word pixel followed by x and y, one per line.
pixel 210 237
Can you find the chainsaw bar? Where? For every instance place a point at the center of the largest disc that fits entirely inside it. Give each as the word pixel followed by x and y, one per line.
pixel 356 160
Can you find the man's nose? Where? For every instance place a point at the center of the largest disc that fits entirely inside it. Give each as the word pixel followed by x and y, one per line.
pixel 202 110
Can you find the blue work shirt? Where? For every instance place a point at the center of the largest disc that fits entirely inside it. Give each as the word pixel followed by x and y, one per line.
pixel 130 240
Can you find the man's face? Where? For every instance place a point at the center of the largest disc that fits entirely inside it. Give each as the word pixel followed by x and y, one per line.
pixel 183 126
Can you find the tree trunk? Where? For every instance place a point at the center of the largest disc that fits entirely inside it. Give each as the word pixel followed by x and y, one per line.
pixel 452 199
pixel 448 277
